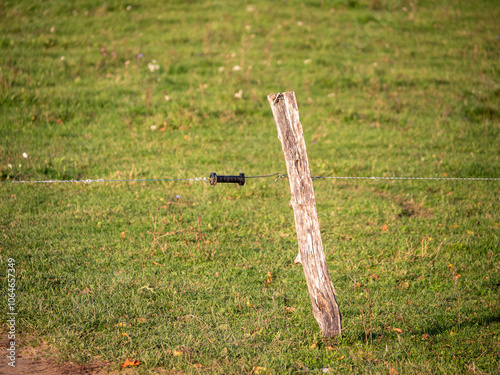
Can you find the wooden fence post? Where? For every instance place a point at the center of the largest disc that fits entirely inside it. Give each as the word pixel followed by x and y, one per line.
pixel 311 254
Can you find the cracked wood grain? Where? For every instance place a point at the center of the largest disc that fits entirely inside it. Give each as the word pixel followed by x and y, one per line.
pixel 311 254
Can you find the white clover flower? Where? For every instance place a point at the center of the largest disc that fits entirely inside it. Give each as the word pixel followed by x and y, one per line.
pixel 239 94
pixel 153 66
pixel 25 155
pixel 236 68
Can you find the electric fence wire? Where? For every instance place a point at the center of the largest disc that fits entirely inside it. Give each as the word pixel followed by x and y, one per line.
pixel 411 178
pixel 278 175
pixel 89 181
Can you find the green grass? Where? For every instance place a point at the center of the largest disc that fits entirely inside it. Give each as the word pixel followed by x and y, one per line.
pixel 385 88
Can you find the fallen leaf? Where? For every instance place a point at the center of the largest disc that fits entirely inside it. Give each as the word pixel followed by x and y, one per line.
pixel 158 264
pixel 426 336
pixel 269 280
pixel 384 228
pixel 124 334
pixel 86 291
pixel 177 353
pixel 313 346
pixel 197 365
pixel 330 348
pixel 398 330
pixel 450 266
pixel 258 370
pixel 289 309
pixel 129 363
pixel 122 234
pixel 393 371
pixel 341 357
pixel 141 320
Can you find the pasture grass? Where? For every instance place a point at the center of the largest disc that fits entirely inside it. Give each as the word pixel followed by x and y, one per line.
pixel 190 278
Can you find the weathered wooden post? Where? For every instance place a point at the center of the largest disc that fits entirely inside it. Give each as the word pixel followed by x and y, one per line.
pixel 311 254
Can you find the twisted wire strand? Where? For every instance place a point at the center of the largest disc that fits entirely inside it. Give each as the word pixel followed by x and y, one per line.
pixel 376 178
pixel 89 181
pixel 409 178
pixel 279 175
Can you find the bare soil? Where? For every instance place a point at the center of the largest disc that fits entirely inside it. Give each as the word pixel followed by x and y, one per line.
pixel 41 360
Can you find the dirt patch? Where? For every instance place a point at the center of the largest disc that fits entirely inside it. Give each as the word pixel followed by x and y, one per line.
pixel 40 360
pixel 409 208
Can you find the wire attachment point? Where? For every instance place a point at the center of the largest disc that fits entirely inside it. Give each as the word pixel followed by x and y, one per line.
pixel 280 175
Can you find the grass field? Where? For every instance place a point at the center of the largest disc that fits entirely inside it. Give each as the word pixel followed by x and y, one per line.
pixel 189 278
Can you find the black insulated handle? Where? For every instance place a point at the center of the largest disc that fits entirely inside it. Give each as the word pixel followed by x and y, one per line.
pixel 240 180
